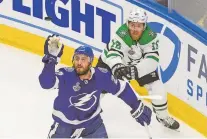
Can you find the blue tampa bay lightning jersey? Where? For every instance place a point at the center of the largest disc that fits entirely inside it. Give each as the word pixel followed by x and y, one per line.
pixel 78 101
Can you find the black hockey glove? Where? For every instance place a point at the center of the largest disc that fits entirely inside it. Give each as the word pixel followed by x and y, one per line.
pixel 120 71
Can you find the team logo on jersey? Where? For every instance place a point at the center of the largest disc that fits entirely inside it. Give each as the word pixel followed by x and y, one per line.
pixel 104 70
pixel 83 102
pixel 131 52
pixel 76 87
pixel 133 61
pixel 123 33
pixel 152 34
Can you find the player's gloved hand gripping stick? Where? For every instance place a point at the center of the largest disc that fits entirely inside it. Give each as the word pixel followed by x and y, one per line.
pixel 145 97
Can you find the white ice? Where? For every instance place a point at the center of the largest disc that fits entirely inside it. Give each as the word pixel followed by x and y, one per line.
pixel 25 108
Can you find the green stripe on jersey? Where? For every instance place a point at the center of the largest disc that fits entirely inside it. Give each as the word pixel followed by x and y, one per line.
pixel 153 57
pixel 109 55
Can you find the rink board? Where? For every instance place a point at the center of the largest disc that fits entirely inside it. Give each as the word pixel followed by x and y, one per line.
pixel 182 71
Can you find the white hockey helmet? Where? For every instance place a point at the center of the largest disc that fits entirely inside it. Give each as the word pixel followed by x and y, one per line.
pixel 137 15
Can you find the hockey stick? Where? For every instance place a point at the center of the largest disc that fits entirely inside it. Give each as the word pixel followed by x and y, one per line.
pixel 150 97
pixel 147 130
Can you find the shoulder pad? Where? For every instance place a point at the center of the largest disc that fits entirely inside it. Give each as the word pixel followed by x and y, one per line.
pixel 123 33
pixel 104 70
pixel 147 36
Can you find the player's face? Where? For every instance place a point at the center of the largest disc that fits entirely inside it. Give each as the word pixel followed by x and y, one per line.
pixel 135 30
pixel 82 64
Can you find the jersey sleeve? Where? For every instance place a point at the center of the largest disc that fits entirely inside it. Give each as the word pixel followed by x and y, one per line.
pixel 115 50
pixel 121 89
pixel 113 53
pixel 150 50
pixel 49 78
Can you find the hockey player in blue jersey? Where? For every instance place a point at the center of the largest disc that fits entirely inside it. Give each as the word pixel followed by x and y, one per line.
pixel 77 107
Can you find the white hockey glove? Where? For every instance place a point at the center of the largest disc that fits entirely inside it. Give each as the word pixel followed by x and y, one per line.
pixel 54 45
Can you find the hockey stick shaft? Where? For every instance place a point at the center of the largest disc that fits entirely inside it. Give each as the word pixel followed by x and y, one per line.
pixel 152 97
pixel 145 125
pixel 147 130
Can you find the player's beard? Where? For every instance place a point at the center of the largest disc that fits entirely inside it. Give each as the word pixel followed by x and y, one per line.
pixel 135 35
pixel 84 71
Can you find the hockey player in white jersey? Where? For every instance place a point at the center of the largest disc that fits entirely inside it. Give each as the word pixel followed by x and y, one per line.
pixel 132 53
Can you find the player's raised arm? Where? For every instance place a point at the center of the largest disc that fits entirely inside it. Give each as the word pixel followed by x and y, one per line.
pixel 53 50
pixel 123 90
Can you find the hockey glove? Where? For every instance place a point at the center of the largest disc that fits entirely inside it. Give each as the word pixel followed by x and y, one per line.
pixel 53 49
pixel 120 71
pixel 142 114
